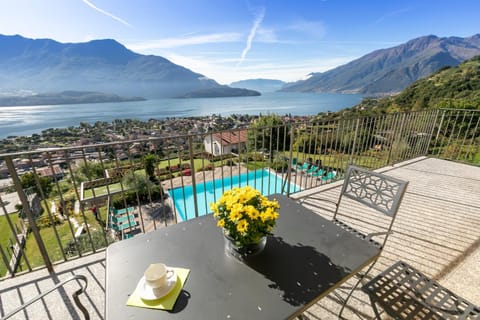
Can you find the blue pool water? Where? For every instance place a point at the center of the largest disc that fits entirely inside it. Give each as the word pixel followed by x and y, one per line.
pixel 211 191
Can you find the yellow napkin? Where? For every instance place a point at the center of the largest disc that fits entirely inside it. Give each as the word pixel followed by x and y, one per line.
pixel 165 303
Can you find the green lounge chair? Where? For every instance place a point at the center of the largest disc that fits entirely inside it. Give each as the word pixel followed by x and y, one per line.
pixel 318 173
pixel 329 176
pixel 302 167
pixel 311 170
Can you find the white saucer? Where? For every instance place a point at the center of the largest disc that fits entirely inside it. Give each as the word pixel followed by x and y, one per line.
pixel 148 293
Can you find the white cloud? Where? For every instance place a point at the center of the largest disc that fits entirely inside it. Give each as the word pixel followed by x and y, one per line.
pixel 91 5
pixel 267 35
pixel 167 43
pixel 222 70
pixel 256 23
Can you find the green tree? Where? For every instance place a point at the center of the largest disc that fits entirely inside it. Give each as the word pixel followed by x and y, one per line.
pixel 150 162
pixel 28 181
pixel 138 183
pixel 89 171
pixel 269 132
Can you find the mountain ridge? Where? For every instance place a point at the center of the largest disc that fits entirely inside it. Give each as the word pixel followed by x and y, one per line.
pixel 390 70
pixel 450 87
pixel 45 65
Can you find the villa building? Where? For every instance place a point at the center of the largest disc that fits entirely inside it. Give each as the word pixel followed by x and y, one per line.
pixel 224 143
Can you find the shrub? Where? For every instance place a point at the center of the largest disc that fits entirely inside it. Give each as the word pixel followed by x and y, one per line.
pixel 45 221
pixel 230 162
pixel 279 165
pixel 84 244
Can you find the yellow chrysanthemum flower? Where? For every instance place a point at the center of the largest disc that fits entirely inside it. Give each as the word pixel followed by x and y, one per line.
pixel 252 212
pixel 242 226
pixel 235 215
pixel 245 214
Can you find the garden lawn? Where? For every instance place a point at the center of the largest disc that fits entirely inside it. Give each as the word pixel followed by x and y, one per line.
pixel 99 191
pixel 6 234
pixel 48 236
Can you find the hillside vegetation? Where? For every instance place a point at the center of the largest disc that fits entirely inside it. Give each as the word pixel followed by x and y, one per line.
pixel 451 87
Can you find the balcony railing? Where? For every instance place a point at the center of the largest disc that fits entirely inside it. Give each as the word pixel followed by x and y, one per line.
pixel 47 208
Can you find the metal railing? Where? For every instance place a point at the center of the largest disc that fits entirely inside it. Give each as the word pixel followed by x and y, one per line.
pixel 457 136
pixel 140 185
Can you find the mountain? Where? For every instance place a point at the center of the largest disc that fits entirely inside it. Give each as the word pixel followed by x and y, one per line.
pixel 65 97
pixel 262 85
pixel 391 70
pixel 451 87
pixel 223 91
pixel 45 65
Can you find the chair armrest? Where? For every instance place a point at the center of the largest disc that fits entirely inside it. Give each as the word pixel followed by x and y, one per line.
pixel 74 295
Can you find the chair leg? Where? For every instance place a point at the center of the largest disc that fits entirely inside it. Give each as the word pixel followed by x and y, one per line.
pixel 355 287
pixel 375 309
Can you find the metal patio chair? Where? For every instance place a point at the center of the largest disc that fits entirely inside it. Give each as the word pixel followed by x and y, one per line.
pixel 75 295
pixel 367 207
pixel 405 293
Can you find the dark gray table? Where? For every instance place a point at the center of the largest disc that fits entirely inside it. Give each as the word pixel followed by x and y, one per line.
pixel 307 257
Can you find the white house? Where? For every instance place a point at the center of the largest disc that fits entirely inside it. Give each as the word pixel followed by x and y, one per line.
pixel 225 142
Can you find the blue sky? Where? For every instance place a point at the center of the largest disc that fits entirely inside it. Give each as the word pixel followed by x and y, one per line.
pixel 230 40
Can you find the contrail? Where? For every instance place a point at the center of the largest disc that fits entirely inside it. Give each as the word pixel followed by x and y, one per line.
pixel 91 5
pixel 253 31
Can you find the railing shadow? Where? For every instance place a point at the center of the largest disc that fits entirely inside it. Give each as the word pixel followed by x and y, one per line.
pixel 59 304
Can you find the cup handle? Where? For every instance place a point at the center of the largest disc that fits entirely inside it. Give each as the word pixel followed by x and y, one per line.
pixel 170 273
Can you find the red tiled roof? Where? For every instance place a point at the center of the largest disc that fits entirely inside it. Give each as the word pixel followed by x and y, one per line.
pixel 47 172
pixel 233 137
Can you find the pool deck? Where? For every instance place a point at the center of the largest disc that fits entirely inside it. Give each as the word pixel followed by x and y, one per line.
pixel 202 176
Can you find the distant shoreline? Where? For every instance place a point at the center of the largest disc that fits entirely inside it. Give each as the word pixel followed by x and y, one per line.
pixel 65 97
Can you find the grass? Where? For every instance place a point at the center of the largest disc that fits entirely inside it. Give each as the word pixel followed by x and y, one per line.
pixel 48 236
pixel 5 235
pixel 114 187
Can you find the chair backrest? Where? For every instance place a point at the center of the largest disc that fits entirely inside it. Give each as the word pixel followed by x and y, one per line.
pixel 378 191
pixel 375 190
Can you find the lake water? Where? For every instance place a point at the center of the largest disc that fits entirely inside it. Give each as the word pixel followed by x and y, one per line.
pixel 25 121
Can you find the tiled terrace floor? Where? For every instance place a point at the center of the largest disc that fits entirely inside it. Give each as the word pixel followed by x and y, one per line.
pixel 436 231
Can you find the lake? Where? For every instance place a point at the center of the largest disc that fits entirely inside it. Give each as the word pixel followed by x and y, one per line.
pixel 25 121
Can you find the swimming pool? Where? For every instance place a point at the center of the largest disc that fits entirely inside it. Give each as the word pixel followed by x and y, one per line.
pixel 264 181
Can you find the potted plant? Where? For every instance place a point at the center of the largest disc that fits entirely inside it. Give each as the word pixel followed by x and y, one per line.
pixel 246 218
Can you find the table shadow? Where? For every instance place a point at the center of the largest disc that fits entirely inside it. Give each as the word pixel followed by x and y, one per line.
pixel 305 275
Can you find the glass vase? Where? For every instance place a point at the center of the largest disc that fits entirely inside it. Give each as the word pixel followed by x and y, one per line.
pixel 243 252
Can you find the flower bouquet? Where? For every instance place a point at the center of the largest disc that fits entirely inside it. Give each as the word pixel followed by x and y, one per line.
pixel 246 217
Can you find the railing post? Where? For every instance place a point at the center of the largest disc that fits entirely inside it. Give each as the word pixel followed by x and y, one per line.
pixel 350 161
pixel 398 137
pixel 289 172
pixel 432 131
pixel 28 211
pixel 192 172
pixel 440 126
